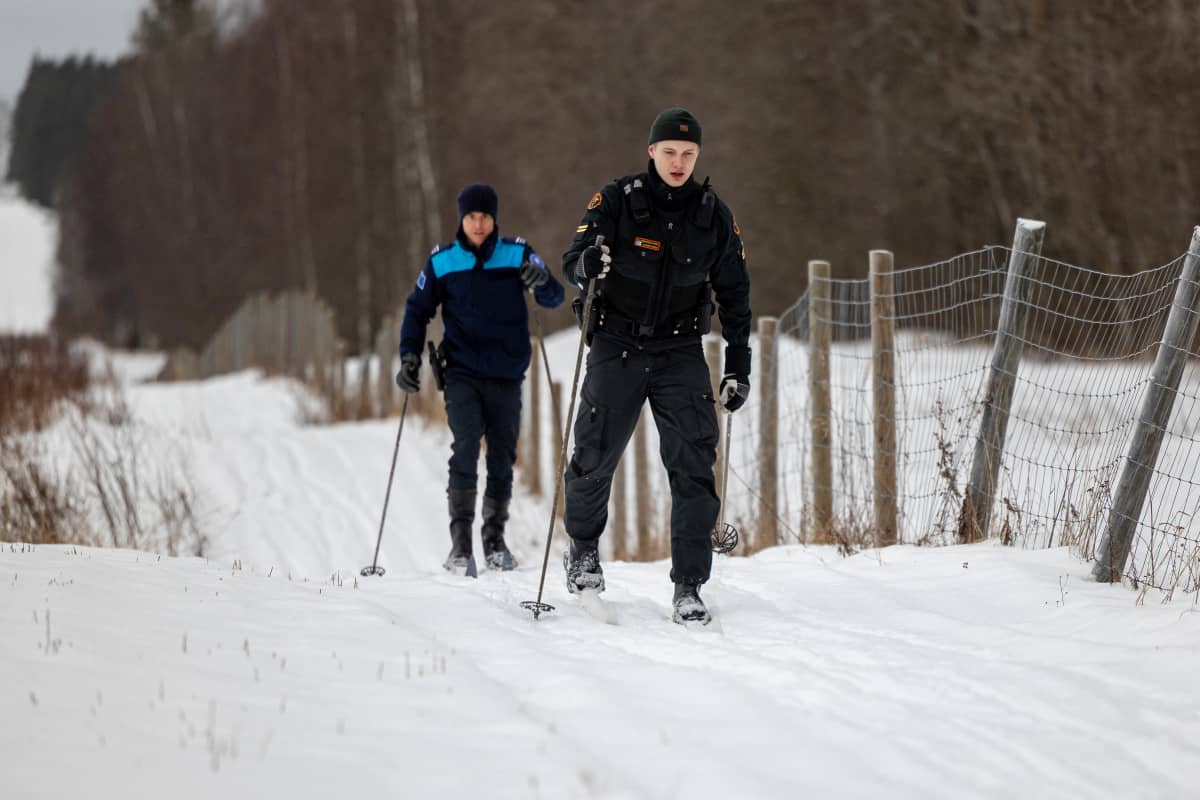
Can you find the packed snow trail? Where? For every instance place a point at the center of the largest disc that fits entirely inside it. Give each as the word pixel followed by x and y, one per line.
pixel 977 671
pixel 901 673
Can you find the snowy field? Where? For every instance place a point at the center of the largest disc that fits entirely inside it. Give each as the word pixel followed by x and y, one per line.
pixel 270 668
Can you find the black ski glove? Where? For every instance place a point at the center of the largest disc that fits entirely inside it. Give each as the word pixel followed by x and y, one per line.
pixel 734 391
pixel 594 262
pixel 409 376
pixel 533 276
pixel 735 386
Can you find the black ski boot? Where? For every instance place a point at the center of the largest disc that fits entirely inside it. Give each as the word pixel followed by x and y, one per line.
pixel 461 560
pixel 495 552
pixel 688 605
pixel 582 563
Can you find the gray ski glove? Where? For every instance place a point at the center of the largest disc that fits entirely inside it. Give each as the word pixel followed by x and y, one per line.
pixel 533 276
pixel 409 376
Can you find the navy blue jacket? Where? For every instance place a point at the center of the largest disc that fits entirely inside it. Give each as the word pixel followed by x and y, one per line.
pixel 483 306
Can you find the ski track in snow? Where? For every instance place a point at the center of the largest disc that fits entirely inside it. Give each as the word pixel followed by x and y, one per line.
pixel 951 672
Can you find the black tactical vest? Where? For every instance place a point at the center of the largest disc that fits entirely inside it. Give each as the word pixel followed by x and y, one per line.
pixel 658 285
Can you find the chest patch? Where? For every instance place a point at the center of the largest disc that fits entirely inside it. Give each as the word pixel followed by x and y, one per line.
pixel 647 244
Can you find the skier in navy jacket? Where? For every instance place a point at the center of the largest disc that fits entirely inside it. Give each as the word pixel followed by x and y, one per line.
pixel 479 280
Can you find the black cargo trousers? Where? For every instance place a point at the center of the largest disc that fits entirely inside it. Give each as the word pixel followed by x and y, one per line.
pixel 673 375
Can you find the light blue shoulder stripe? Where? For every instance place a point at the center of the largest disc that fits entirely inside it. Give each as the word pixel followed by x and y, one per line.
pixel 452 259
pixel 506 254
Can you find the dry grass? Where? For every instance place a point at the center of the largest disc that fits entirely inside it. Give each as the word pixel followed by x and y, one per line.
pixel 93 480
pixel 36 372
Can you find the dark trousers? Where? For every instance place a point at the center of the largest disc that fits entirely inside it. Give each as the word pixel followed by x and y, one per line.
pixel 479 408
pixel 620 378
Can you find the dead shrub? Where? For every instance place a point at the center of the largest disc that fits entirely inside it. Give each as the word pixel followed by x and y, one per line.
pixel 94 480
pixel 36 372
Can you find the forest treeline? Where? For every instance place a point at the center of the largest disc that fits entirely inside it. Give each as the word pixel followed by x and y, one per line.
pixel 320 145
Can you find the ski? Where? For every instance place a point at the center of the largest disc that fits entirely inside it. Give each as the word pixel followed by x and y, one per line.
pixel 597 608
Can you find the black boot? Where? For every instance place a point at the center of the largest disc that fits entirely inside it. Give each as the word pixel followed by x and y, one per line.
pixel 582 563
pixel 461 560
pixel 688 605
pixel 495 552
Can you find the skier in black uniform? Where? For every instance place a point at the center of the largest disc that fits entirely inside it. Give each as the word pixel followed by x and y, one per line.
pixel 669 245
pixel 479 280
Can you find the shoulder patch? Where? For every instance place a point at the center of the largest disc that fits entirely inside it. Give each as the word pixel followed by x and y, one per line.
pixel 421 280
pixel 736 230
pixel 595 202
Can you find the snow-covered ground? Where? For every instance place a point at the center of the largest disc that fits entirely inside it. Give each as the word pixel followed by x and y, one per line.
pixel 270 668
pixel 28 237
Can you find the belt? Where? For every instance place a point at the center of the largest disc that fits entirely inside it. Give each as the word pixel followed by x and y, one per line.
pixel 618 324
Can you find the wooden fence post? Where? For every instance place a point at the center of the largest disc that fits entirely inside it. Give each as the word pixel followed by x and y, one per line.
pixel 712 351
pixel 364 385
pixel 641 490
pixel 883 316
pixel 820 335
pixel 1134 482
pixel 556 394
pixel 532 468
pixel 767 533
pixel 975 517
pixel 616 515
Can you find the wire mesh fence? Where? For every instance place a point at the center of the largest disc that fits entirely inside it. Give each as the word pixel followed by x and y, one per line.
pixel 1089 340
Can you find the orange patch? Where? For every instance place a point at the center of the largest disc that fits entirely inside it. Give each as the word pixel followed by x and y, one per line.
pixel 647 244
pixel 736 230
pixel 595 202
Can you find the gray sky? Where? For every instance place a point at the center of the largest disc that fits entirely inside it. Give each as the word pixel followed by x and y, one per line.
pixel 58 28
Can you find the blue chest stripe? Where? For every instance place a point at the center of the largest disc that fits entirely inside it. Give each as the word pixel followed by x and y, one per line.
pixel 506 255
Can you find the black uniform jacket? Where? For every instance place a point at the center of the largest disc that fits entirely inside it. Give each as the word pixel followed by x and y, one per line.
pixel 672 250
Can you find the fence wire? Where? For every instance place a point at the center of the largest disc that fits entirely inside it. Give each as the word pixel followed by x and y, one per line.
pixel 1089 340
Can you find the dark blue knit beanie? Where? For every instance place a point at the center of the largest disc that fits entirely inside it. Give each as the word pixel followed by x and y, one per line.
pixel 477 197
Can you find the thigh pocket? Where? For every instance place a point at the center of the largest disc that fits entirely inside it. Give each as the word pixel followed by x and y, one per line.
pixel 706 432
pixel 590 435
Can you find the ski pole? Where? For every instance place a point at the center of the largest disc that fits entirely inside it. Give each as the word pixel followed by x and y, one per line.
pixel 375 569
pixel 537 606
pixel 724 536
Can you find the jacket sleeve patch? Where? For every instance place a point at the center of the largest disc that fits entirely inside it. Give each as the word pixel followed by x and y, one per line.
pixel 421 280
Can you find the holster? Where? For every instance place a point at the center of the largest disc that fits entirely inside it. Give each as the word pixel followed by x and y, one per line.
pixel 577 307
pixel 437 362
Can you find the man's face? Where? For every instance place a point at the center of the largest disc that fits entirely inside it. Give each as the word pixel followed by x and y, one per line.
pixel 674 160
pixel 478 226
